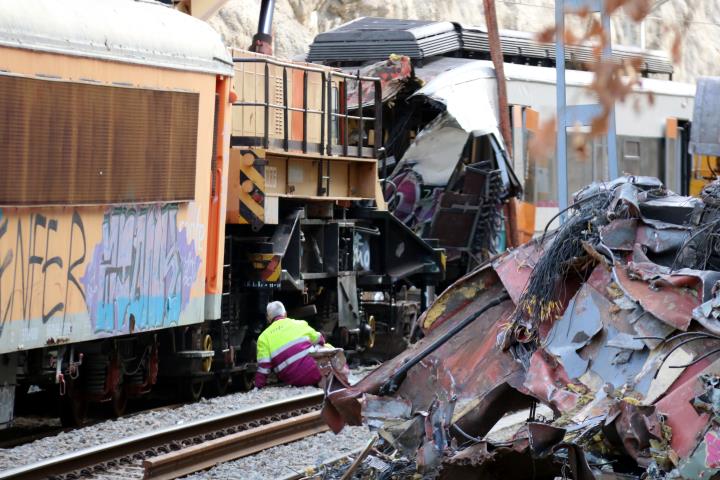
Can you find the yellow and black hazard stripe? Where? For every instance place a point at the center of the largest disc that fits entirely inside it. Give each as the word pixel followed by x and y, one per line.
pixel 252 187
pixel 267 266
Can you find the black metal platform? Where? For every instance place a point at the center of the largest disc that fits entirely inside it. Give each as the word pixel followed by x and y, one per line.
pixel 372 39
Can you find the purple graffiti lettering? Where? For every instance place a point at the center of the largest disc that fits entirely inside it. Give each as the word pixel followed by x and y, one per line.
pixel 143 268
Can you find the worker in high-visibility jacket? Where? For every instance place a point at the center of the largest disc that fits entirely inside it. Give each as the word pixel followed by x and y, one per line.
pixel 284 347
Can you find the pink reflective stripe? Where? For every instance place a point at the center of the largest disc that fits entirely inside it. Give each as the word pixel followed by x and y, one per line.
pixel 265 371
pixel 298 356
pixel 302 372
pixel 280 350
pixel 289 352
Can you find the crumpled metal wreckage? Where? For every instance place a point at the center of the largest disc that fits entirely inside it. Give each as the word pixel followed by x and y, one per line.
pixel 612 321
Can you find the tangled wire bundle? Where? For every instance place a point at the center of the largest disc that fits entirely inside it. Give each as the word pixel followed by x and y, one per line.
pixel 541 299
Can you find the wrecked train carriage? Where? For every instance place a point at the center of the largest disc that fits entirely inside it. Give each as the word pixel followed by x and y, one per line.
pixel 648 141
pixel 447 174
pixel 441 117
pixel 610 321
pixel 306 221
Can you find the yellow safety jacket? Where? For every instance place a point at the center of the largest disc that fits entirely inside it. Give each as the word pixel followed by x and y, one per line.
pixel 283 347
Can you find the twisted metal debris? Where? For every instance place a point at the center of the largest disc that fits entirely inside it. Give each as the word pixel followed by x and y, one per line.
pixel 612 321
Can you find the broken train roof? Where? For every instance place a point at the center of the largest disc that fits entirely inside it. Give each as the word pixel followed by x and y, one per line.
pixel 466 111
pixel 611 321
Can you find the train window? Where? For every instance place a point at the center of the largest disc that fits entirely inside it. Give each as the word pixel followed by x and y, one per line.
pixel 631 150
pixel 633 33
pixel 65 143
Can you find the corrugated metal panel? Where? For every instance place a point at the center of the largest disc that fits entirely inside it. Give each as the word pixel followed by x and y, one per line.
pixel 65 143
pixel 705 132
pixel 371 38
pixel 147 33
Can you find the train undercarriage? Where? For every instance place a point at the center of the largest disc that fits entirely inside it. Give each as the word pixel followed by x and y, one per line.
pixel 358 275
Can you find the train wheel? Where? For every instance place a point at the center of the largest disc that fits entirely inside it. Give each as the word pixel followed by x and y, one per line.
pixel 221 384
pixel 208 347
pixel 191 390
pixel 248 381
pixel 370 332
pixel 73 409
pixel 118 402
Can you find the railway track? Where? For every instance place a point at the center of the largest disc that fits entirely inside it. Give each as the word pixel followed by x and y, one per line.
pixel 183 449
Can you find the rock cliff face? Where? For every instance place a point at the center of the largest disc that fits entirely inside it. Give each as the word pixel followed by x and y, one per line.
pixel 297 22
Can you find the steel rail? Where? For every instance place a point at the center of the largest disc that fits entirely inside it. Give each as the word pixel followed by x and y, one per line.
pixel 138 444
pixel 231 447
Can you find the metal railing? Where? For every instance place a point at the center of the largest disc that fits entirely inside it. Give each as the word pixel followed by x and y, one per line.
pixel 327 145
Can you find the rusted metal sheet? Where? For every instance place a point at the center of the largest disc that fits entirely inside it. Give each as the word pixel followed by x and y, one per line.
pixel 531 455
pixel 624 233
pixel 670 304
pixel 547 381
pixel 704 461
pixel 636 426
pixel 620 234
pixel 593 321
pixel 457 298
pixel 515 267
pixel 684 420
pixel 392 72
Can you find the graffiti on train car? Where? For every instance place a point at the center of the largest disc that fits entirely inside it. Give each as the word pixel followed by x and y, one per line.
pixel 141 273
pixel 39 265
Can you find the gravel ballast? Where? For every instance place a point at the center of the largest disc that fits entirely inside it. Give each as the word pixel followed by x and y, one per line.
pixel 296 457
pixel 285 460
pixel 150 420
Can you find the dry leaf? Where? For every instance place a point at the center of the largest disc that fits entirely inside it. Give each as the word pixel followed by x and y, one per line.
pixel 613 81
pixel 599 124
pixel 595 29
pixel 579 143
pixel 612 5
pixel 547 35
pixel 636 62
pixel 638 9
pixel 584 12
pixel 676 47
pixel 543 141
pixel 570 38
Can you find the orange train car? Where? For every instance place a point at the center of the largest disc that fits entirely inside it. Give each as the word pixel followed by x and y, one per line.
pixel 156 190
pixel 113 145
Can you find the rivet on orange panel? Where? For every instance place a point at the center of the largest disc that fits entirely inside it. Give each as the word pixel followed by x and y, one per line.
pixel 248 159
pixel 247 186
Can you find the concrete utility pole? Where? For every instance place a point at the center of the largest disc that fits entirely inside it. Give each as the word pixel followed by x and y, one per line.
pixel 497 58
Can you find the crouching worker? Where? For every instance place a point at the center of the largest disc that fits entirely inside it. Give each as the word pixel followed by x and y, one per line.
pixel 284 346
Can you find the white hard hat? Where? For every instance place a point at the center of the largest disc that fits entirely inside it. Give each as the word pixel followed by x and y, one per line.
pixel 274 310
